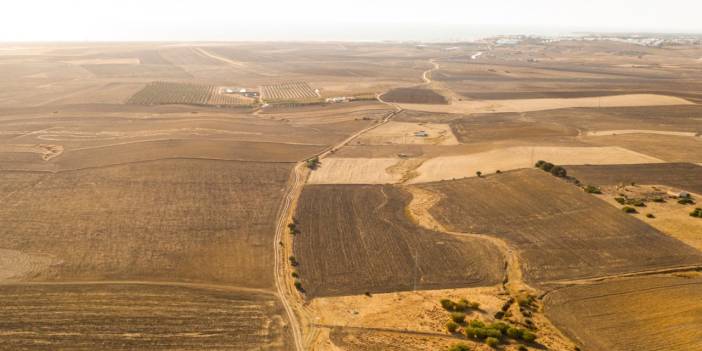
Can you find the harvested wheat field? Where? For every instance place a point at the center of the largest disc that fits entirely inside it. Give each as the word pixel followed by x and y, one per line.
pixel 526 105
pixel 454 167
pixel 409 133
pixel 355 171
pixel 138 316
pixel 357 239
pixel 683 176
pixel 183 220
pixel 647 313
pixel 560 232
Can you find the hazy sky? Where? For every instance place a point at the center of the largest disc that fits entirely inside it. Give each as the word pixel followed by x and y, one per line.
pixel 37 20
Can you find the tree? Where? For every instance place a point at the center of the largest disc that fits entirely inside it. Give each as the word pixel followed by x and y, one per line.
pixel 559 171
pixel 448 304
pixel 528 336
pixel 458 317
pixel 459 347
pixel 451 326
pixel 492 342
pixel 539 163
pixel 479 173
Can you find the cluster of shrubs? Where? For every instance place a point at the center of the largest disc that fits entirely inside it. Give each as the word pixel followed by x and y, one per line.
pixel 696 213
pixel 591 189
pixel 462 305
pixel 504 311
pixel 632 202
pixel 493 334
pixel 313 163
pixel 557 171
pixel 687 200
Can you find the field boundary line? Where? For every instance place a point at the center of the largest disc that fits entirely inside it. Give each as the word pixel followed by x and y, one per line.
pixel 143 282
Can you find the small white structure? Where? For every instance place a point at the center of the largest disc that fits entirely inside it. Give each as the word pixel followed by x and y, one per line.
pixel 678 193
pixel 421 133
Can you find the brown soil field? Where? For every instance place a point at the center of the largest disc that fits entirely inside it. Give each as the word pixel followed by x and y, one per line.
pixel 486 128
pixel 185 220
pixel 683 176
pixel 138 317
pixel 647 313
pixel 357 239
pixel 560 232
pixel 404 133
pixel 416 95
pixel 665 147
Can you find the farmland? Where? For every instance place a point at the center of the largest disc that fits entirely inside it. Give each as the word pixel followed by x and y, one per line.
pixel 652 313
pixel 561 232
pixel 683 176
pixel 137 316
pixel 414 96
pixel 164 93
pixel 288 92
pixel 126 222
pixel 378 249
pixel 151 210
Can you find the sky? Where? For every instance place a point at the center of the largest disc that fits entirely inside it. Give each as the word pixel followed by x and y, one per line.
pixel 428 20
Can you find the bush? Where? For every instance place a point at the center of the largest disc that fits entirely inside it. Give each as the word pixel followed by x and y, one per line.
pixel 514 333
pixel 458 317
pixel 696 213
pixel 479 173
pixel 686 201
pixel 470 332
pixel 448 304
pixel 499 315
pixel 650 215
pixel 528 336
pixel 502 327
pixel 522 348
pixel 620 200
pixel 559 171
pixel 298 285
pixel 492 342
pixel 459 347
pixel 493 333
pixel 313 163
pixel 480 333
pixel 658 199
pixel 591 189
pixel 629 209
pixel 293 261
pixel 477 324
pixel 451 326
pixel 295 274
pixel 462 305
pixel 547 166
pixel 539 163
pixel 475 305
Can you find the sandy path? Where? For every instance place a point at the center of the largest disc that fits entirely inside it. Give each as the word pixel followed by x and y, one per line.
pixel 219 58
pixel 526 105
pixel 641 131
pixel 514 284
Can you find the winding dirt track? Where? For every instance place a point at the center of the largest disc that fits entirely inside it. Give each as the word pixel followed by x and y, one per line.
pixel 282 244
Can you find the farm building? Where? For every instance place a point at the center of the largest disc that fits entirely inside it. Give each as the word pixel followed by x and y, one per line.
pixel 421 133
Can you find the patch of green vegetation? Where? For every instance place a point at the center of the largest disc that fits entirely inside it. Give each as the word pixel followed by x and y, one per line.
pixel 492 342
pixel 686 201
pixel 451 326
pixel 458 317
pixel 629 209
pixel 591 189
pixel 459 347
pixel 696 213
pixel 313 163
